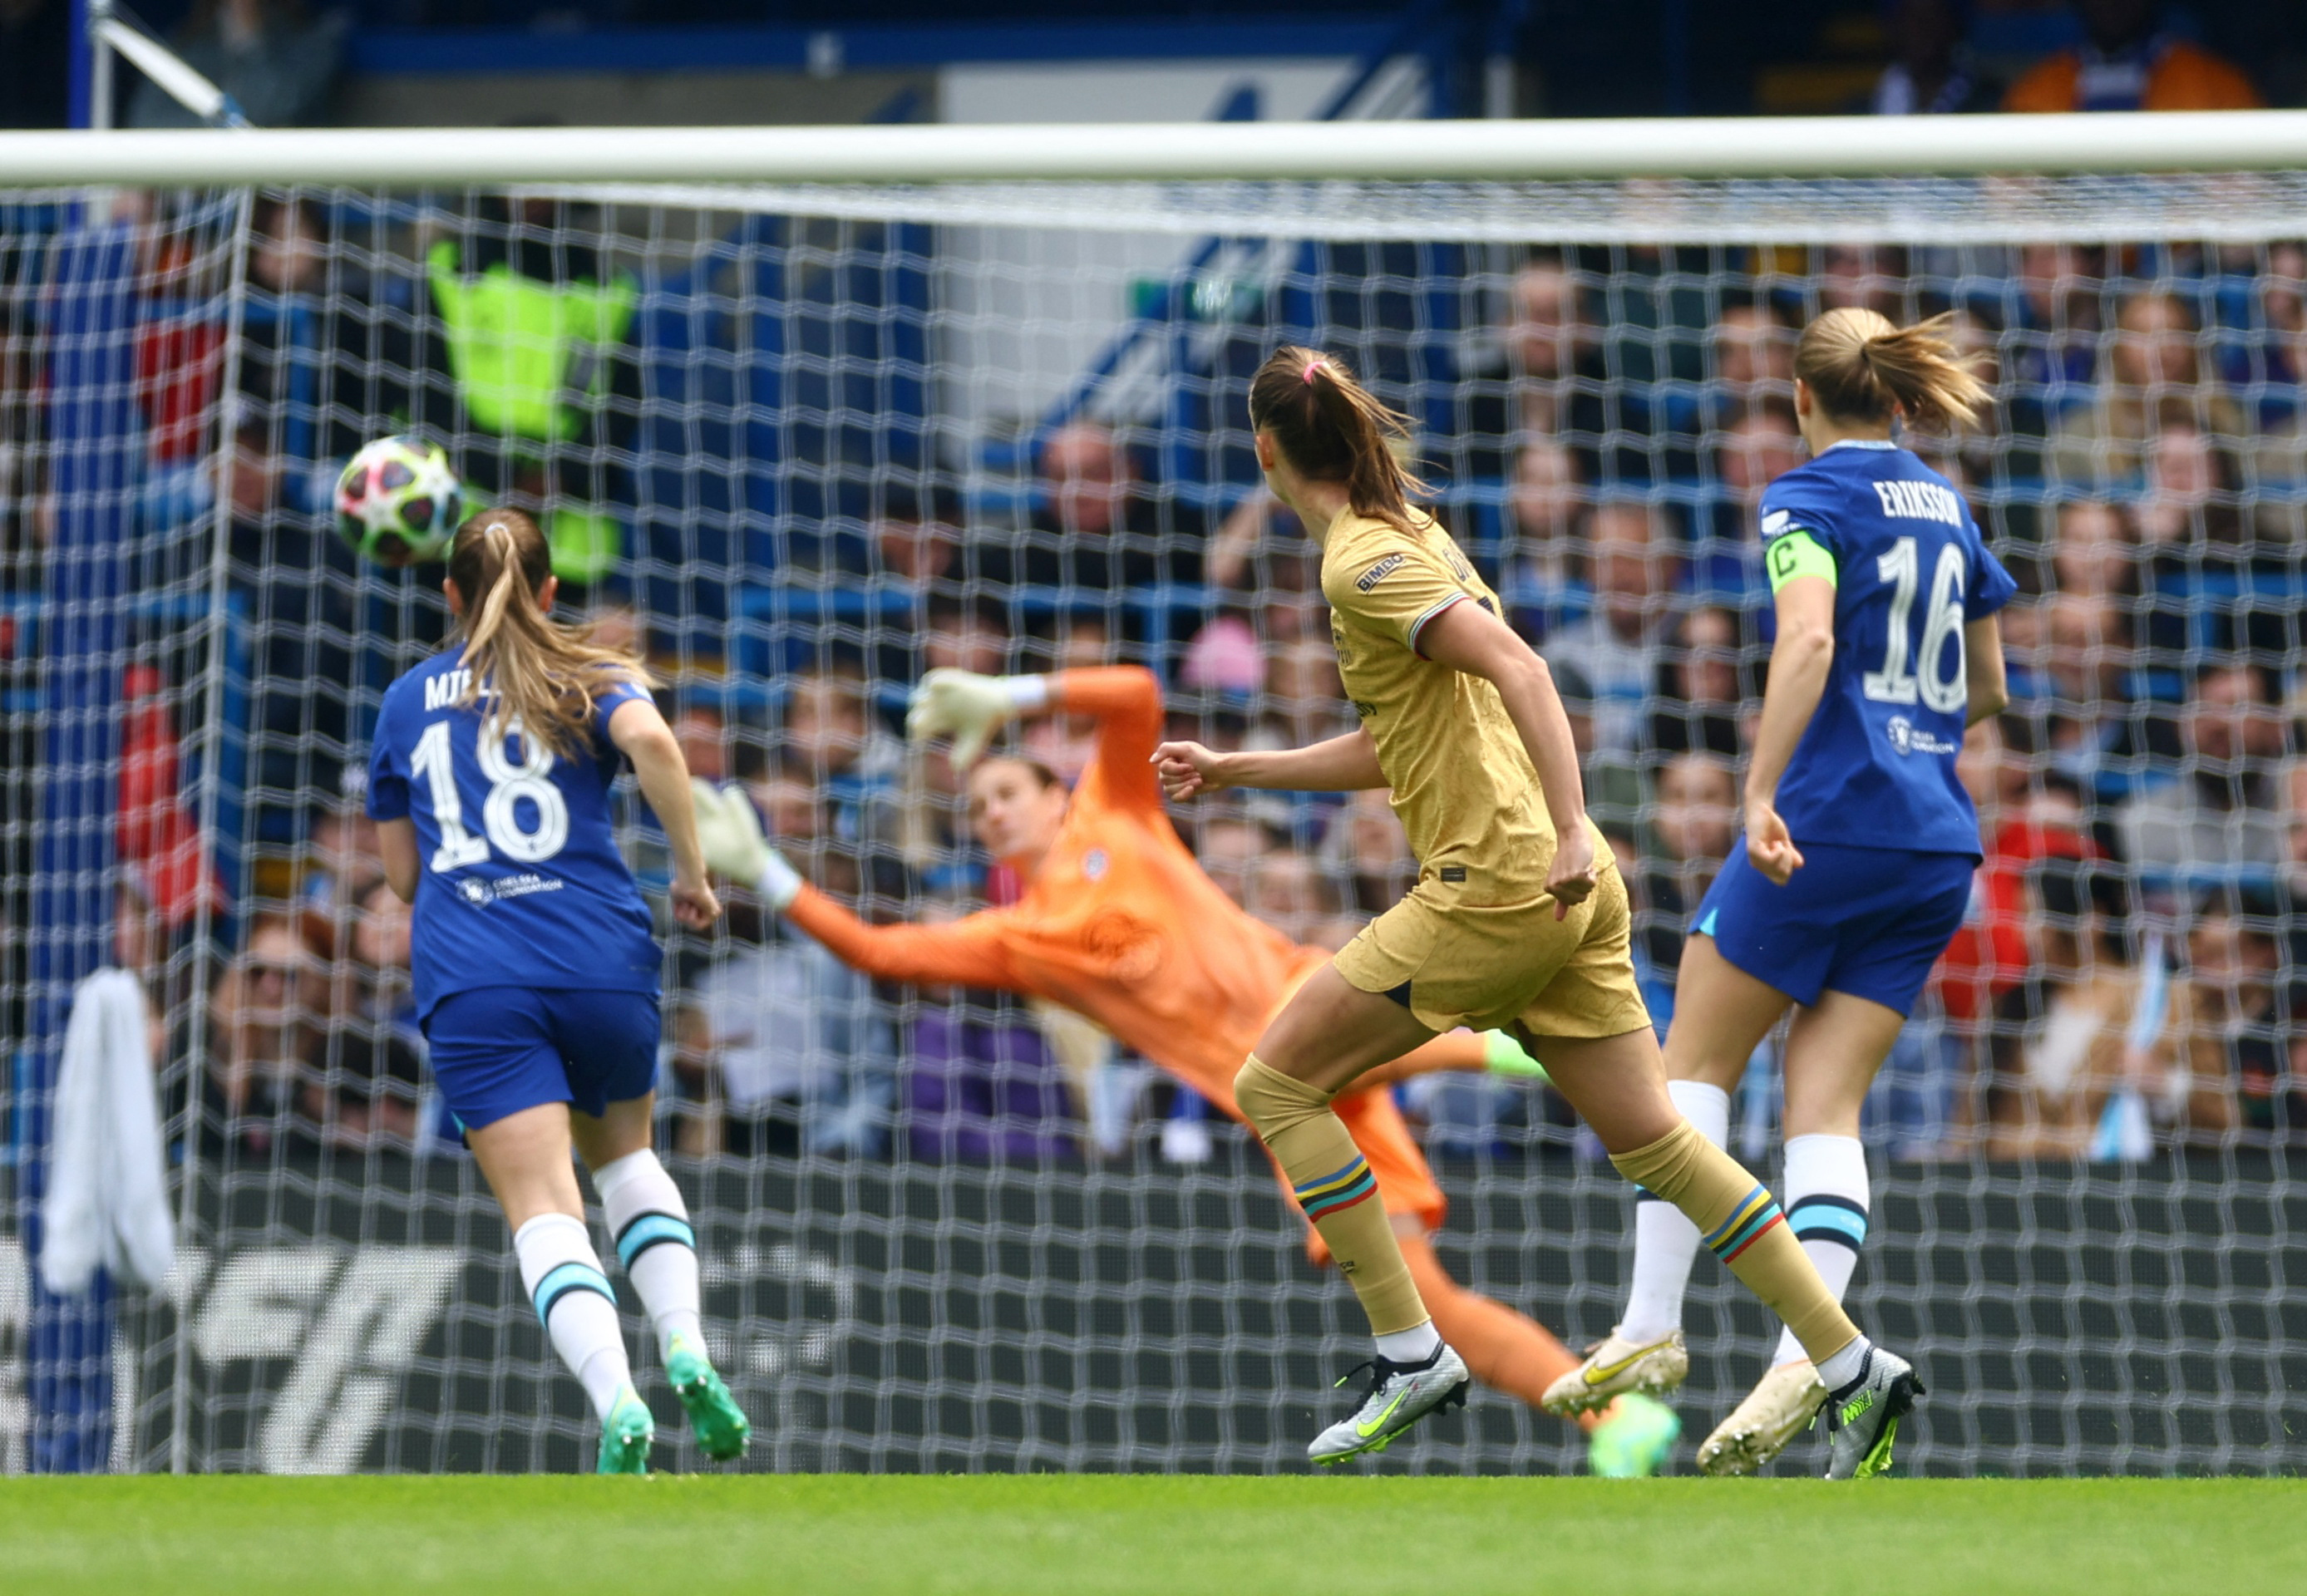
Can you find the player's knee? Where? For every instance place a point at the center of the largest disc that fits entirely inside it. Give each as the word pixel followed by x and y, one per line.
pixel 1663 1167
pixel 1272 1102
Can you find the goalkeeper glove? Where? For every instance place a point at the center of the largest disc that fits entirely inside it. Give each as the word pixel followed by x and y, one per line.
pixel 729 832
pixel 970 708
pixel 1503 1055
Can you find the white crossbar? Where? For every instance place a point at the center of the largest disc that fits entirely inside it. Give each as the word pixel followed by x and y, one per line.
pixel 1499 151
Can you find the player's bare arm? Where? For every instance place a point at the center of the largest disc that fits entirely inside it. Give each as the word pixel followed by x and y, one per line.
pixel 396 840
pixel 1470 639
pixel 1988 688
pixel 641 736
pixel 1347 764
pixel 1800 661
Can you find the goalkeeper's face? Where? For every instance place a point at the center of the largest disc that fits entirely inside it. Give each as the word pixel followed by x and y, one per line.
pixel 1016 811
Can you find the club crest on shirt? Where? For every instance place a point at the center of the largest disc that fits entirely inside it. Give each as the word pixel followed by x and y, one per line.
pixel 481 893
pixel 1908 738
pixel 1378 572
pixel 1095 865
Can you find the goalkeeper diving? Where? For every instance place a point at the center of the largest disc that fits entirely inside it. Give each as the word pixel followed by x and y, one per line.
pixel 1118 923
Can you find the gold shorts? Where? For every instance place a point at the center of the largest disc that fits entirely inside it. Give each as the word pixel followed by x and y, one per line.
pixel 1491 965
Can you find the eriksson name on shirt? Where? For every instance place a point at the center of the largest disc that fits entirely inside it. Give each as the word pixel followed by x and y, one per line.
pixel 1920 501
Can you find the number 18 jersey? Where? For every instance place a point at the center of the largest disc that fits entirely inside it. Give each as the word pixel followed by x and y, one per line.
pixel 1876 769
pixel 519 882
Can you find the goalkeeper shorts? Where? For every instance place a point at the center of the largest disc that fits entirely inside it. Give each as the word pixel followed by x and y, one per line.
pixel 498 1050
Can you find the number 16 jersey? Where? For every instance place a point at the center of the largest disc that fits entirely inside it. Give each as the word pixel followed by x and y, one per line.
pixel 519 882
pixel 1876 767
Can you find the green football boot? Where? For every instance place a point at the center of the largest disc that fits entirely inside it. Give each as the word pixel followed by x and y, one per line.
pixel 626 1436
pixel 721 1426
pixel 1862 1418
pixel 1400 1394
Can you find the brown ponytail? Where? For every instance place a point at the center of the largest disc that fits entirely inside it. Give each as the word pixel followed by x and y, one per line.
pixel 536 671
pixel 1860 367
pixel 1330 428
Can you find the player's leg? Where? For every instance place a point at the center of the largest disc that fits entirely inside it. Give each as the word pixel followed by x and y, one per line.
pixel 1721 1016
pixel 1834 1048
pixel 1896 912
pixel 1504 1350
pixel 1617 1084
pixel 1326 1035
pixel 492 1054
pixel 1511 1353
pixel 524 1157
pixel 612 1040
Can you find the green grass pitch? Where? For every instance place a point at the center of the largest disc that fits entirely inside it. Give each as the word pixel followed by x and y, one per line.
pixel 1086 1535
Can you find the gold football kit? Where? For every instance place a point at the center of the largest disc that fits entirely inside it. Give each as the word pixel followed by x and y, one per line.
pixel 1475 942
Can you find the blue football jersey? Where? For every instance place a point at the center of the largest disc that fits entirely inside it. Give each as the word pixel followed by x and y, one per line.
pixel 519 882
pixel 1876 769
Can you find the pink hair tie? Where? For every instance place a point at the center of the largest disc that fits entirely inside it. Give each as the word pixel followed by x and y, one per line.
pixel 1311 368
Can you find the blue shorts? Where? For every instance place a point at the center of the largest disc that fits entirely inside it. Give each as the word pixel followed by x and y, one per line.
pixel 1868 921
pixel 499 1050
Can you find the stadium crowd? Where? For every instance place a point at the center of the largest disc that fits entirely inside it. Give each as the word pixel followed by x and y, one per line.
pixel 1599 436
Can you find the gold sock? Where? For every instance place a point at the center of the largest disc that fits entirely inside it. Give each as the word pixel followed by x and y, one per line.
pixel 1741 1224
pixel 1333 1184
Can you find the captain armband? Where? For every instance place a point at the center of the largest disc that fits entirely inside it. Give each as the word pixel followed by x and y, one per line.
pixel 1797 554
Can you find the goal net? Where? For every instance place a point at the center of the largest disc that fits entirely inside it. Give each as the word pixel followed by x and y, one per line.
pixel 802 442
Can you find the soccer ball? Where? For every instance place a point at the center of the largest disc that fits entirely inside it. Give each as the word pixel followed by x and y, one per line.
pixel 399 502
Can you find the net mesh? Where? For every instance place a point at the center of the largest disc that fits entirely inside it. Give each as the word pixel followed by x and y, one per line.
pixel 805 442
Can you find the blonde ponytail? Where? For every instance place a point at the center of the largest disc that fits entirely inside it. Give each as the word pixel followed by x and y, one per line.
pixel 532 669
pixel 1860 367
pixel 1330 428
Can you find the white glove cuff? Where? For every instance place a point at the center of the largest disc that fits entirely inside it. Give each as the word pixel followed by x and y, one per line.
pixel 1028 695
pixel 780 883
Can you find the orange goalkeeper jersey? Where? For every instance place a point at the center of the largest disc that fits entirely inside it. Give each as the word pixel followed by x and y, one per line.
pixel 1122 924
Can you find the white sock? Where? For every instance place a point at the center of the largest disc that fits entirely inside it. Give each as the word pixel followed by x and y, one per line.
pixel 654 1242
pixel 1666 1242
pixel 1413 1345
pixel 1844 1366
pixel 572 1298
pixel 1826 1195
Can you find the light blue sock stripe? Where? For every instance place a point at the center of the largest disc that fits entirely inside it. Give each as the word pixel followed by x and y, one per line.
pixel 647 1230
pixel 1829 1220
pixel 563 1278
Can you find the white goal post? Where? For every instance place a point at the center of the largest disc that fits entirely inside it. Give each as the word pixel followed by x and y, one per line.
pixel 791 418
